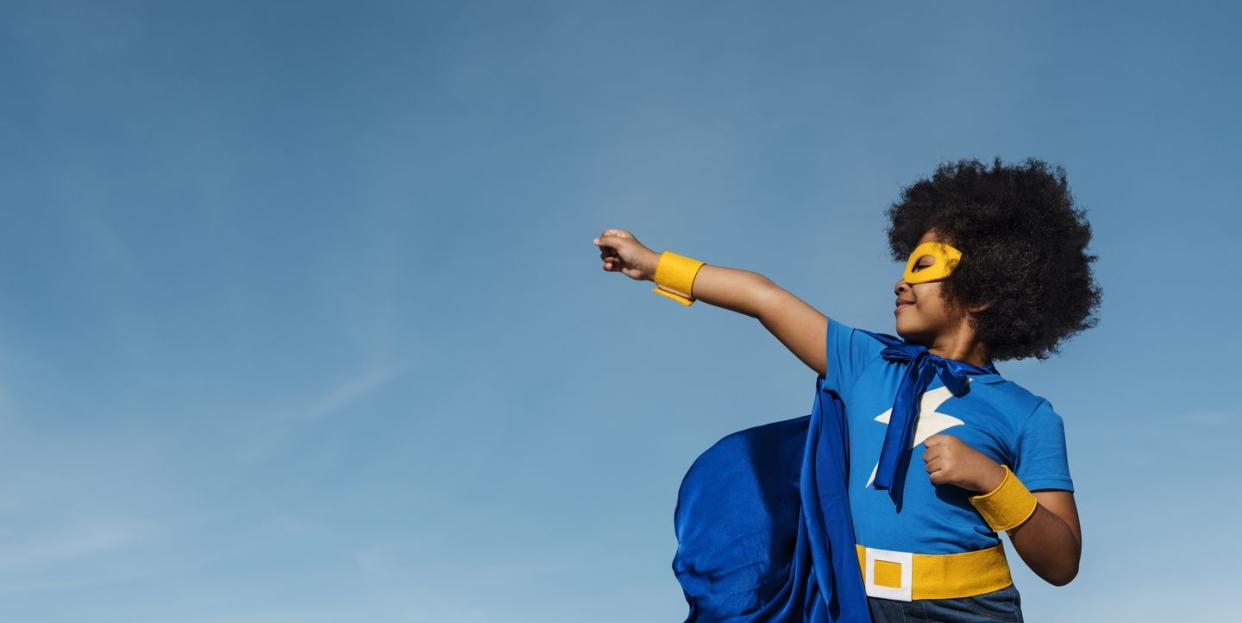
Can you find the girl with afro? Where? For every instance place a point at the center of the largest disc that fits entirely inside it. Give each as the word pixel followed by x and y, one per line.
pixel 939 451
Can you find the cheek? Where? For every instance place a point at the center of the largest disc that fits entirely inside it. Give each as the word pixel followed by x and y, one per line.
pixel 929 302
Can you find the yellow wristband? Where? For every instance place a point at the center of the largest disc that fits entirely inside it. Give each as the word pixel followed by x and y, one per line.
pixel 674 276
pixel 1006 506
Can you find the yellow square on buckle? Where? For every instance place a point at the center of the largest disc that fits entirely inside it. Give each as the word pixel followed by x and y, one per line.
pixel 889 574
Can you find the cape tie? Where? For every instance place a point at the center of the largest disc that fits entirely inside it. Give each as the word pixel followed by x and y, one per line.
pixel 923 365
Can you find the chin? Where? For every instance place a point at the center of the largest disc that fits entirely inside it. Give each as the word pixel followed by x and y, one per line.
pixel 911 334
pixel 904 329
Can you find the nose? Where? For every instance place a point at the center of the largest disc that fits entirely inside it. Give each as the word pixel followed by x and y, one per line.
pixel 901 286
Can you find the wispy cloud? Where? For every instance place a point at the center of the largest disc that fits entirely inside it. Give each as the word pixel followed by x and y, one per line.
pixel 60 558
pixel 283 421
pixel 71 543
pixel 346 393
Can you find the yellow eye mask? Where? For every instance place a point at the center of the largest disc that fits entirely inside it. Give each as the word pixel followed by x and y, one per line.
pixel 946 259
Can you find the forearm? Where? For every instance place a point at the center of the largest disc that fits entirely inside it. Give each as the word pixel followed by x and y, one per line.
pixel 1049 540
pixel 800 327
pixel 1048 546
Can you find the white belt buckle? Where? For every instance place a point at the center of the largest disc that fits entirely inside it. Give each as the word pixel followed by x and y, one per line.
pixel 905 559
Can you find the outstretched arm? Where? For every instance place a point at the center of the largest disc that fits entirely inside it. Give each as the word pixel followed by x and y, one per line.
pixel 800 327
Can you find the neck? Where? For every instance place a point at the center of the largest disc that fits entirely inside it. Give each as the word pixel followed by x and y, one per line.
pixel 976 356
pixel 961 346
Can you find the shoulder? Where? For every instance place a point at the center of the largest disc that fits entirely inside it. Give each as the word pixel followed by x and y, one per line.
pixel 857 338
pixel 850 351
pixel 1031 417
pixel 1015 398
pixel 1014 411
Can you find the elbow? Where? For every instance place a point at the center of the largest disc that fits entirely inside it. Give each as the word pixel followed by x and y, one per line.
pixel 765 295
pixel 1061 570
pixel 1061 577
pixel 1062 580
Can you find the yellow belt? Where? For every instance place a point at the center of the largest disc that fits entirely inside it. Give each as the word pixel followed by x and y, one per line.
pixel 907 576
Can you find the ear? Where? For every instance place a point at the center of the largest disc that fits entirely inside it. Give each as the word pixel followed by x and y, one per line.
pixel 975 309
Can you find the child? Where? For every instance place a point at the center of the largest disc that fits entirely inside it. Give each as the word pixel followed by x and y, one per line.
pixel 942 451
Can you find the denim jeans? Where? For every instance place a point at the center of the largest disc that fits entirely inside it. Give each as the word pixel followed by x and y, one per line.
pixel 1002 605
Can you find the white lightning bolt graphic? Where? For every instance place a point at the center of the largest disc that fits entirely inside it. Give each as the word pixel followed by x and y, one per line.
pixel 929 420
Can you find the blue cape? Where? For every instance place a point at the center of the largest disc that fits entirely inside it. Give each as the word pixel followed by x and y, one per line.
pixel 763 525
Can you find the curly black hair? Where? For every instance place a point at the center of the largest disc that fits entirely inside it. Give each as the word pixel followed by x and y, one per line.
pixel 1023 245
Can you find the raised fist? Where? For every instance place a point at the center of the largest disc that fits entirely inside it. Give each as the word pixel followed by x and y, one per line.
pixel 623 253
pixel 950 461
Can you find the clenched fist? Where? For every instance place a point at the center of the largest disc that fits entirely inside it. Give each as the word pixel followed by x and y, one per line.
pixel 951 462
pixel 623 253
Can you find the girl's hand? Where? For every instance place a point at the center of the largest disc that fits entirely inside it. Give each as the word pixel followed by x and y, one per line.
pixel 951 462
pixel 621 251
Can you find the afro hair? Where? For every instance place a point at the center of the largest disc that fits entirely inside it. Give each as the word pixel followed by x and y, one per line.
pixel 1023 245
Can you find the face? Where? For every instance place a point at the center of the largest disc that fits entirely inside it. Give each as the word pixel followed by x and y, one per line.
pixel 921 312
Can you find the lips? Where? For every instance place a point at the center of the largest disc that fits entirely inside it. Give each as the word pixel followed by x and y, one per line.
pixel 901 305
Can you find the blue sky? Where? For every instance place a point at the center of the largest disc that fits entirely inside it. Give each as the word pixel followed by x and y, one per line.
pixel 300 317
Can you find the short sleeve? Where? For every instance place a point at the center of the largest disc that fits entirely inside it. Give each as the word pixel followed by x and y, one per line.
pixel 1042 459
pixel 848 352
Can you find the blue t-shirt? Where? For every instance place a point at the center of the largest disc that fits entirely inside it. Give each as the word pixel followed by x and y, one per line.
pixel 996 416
